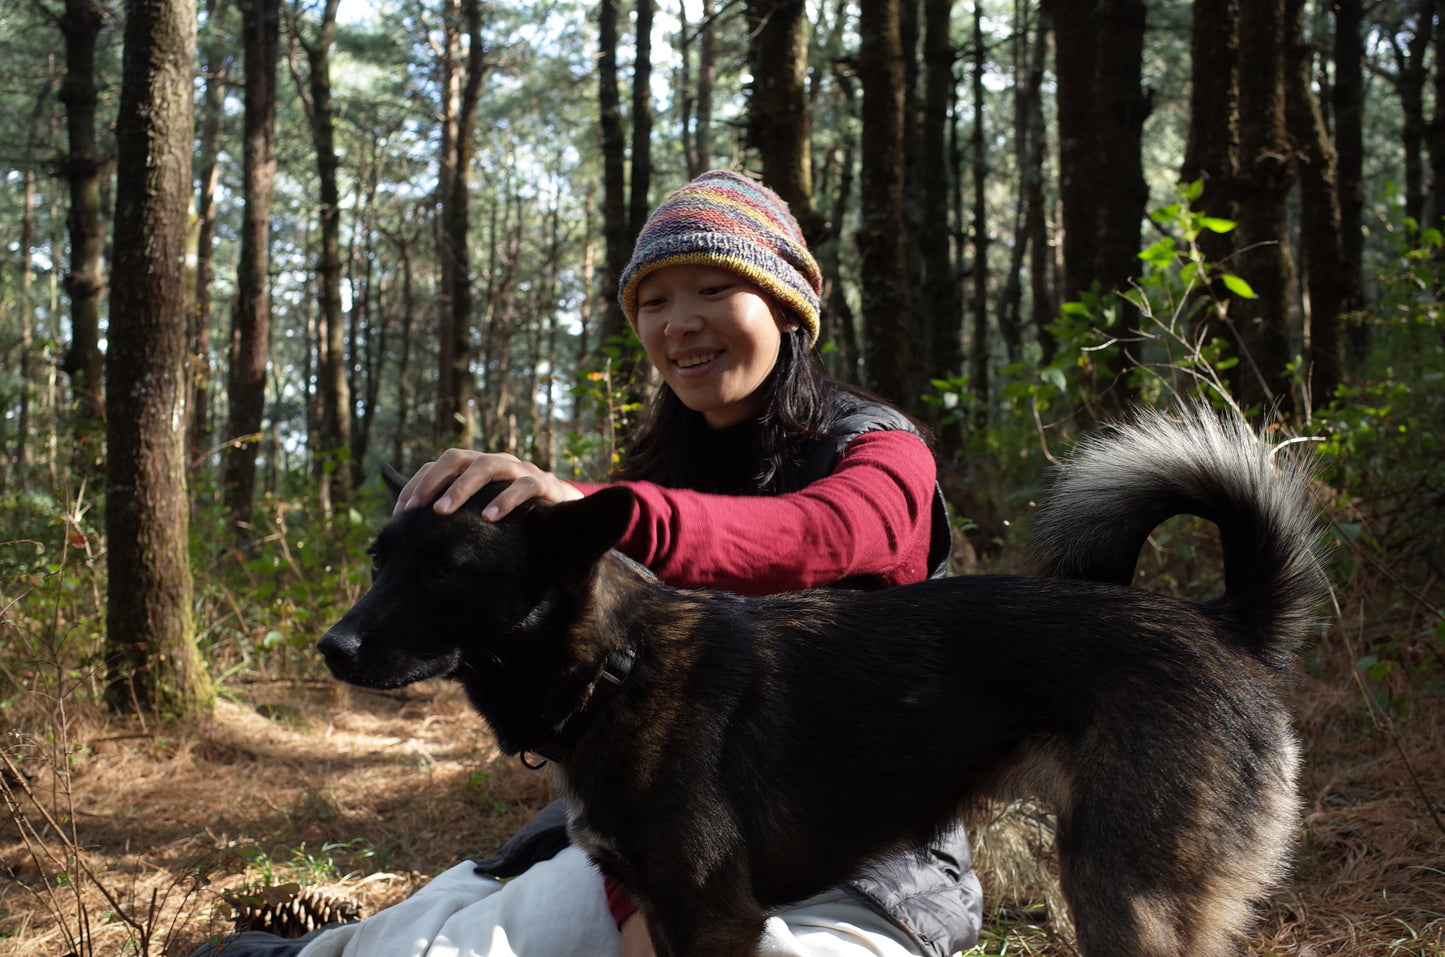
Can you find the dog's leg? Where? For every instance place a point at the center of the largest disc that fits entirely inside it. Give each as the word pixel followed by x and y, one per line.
pixel 1187 891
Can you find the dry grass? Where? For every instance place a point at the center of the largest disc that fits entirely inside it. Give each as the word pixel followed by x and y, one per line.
pixel 363 793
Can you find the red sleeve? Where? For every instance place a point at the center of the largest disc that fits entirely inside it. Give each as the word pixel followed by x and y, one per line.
pixel 870 518
pixel 619 901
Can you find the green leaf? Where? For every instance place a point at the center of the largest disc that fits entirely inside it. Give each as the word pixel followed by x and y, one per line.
pixel 1237 285
pixel 1160 253
pixel 1217 224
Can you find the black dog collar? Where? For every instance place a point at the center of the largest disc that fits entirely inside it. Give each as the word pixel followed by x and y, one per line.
pixel 616 668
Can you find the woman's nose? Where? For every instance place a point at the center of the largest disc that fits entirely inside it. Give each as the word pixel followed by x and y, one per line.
pixel 681 324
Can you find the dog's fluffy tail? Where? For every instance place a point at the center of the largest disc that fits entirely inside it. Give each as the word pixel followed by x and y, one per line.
pixel 1123 482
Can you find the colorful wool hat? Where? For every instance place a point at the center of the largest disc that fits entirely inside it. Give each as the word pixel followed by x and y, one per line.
pixel 726 219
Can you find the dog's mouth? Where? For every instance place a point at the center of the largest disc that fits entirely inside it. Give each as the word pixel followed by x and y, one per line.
pixel 347 659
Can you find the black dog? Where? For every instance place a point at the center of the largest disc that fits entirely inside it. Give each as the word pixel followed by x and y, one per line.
pixel 725 756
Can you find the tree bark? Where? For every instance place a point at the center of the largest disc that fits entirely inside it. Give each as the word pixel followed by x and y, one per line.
pixel 886 295
pixel 1265 178
pixel 614 173
pixel 216 69
pixel 152 663
pixel 978 365
pixel 251 317
pixel 940 306
pixel 779 126
pixel 450 69
pixel 1101 109
pixel 641 184
pixel 1322 249
pixel 457 405
pixel 698 141
pixel 1042 274
pixel 1212 148
pixel 1347 108
pixel 1412 71
pixel 80 24
pixel 334 476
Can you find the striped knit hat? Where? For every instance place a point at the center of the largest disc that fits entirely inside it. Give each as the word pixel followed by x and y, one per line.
pixel 726 219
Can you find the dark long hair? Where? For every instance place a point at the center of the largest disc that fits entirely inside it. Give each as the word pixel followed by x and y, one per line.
pixel 800 404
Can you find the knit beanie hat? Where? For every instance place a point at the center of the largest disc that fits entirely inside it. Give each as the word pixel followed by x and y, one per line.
pixel 727 220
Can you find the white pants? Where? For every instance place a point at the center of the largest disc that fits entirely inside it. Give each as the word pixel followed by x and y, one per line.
pixel 558 909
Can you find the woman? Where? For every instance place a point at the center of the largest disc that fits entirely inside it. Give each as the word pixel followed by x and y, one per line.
pixel 755 473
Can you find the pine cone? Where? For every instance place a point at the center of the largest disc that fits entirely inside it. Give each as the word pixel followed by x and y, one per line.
pixel 288 910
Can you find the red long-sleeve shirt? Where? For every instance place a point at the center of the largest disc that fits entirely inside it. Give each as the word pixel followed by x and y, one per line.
pixel 868 520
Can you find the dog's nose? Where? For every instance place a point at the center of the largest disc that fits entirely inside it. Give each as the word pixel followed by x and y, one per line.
pixel 339 645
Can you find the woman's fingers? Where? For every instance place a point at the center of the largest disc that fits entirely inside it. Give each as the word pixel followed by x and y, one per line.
pixel 458 474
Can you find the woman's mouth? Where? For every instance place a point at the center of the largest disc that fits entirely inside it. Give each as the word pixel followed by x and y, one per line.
pixel 694 360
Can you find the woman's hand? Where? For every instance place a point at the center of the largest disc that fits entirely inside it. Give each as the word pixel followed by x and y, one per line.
pixel 636 942
pixel 458 474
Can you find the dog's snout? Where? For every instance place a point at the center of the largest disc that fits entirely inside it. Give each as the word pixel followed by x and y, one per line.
pixel 339 644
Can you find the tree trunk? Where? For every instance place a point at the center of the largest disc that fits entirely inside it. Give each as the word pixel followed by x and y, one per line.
pixel 81 23
pixel 1101 109
pixel 251 318
pixel 1347 106
pixel 152 663
pixel 334 475
pixel 978 366
pixel 1432 215
pixel 883 265
pixel 641 183
pixel 1321 248
pixel 1262 326
pixel 27 327
pixel 1080 194
pixel 403 244
pixel 1042 277
pixel 1411 74
pixel 449 66
pixel 614 175
pixel 939 305
pixel 699 145
pixel 217 69
pixel 1211 149
pixel 779 126
pixel 457 405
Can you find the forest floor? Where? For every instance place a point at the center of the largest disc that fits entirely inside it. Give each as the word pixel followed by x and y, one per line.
pixel 368 794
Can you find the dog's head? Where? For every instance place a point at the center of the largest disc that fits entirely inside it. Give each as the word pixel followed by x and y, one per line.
pixel 458 595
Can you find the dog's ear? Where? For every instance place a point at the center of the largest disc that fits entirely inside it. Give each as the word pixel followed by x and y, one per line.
pixel 394 480
pixel 576 534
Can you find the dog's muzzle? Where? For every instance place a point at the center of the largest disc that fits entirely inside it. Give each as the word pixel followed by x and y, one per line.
pixel 340 649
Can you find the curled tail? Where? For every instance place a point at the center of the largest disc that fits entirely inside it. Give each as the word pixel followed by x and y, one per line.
pixel 1121 483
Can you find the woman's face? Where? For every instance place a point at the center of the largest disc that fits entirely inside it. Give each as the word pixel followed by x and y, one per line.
pixel 713 336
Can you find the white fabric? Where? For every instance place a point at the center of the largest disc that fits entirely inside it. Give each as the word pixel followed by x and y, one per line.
pixel 558 909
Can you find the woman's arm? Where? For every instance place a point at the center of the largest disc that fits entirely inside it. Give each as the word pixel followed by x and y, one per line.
pixel 870 519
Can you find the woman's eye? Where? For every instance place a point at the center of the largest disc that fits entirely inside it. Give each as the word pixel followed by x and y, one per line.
pixel 714 290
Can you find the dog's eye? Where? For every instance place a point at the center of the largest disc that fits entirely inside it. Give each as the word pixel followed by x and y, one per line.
pixel 445 571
